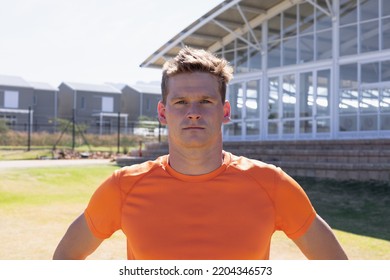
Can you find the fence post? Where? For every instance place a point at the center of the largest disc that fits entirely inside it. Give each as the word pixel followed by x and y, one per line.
pixel 119 133
pixel 73 129
pixel 29 129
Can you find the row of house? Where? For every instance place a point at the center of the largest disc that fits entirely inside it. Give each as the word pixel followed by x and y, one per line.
pixel 99 108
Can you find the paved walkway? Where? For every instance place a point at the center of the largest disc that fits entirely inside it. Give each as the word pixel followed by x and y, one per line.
pixel 55 163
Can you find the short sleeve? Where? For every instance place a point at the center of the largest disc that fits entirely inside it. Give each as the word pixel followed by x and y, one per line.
pixel 103 213
pixel 295 212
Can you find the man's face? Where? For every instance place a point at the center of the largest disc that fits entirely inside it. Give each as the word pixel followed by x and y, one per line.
pixel 194 111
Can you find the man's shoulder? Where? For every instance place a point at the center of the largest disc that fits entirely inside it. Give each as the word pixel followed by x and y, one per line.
pixel 141 169
pixel 247 164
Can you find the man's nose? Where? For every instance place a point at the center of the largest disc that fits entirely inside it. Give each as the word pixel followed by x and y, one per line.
pixel 193 112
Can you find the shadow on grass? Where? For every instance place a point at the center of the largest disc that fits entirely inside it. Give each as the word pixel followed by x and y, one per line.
pixel 357 207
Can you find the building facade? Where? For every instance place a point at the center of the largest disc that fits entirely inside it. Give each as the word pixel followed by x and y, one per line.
pixel 317 69
pixel 16 102
pixel 95 107
pixel 44 107
pixel 140 100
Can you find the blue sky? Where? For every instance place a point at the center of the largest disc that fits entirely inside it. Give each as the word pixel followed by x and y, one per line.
pixel 89 41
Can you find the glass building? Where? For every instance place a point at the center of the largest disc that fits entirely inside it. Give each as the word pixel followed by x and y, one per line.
pixel 314 69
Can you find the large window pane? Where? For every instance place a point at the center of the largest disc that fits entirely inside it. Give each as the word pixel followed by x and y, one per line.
pixel 368 122
pixel 274 54
pixel 252 100
pixel 11 99
pixel 242 60
pixel 348 40
pixel 349 76
pixel 273 98
pixel 274 28
pixel 323 125
pixel 385 100
pixel 369 101
pixel 385 71
pixel 385 122
pixel 348 123
pixel 385 33
pixel 273 128
pixel 323 93
pixel 107 104
pixel 254 59
pixel 290 22
pixel 252 128
pixel 233 129
pixel 228 54
pixel 323 21
pixel 324 45
pixel 290 51
pixel 289 96
pixel 369 36
pixel 306 126
pixel 348 102
pixel 236 100
pixel 369 9
pixel 306 18
pixel 306 48
pixel 348 11
pixel 385 8
pixel 288 127
pixel 370 73
pixel 306 95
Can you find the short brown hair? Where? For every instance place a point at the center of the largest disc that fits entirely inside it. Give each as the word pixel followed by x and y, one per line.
pixel 190 60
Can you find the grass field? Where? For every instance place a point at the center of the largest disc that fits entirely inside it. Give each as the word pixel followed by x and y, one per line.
pixel 37 206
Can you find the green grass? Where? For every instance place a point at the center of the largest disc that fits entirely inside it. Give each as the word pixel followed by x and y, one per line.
pixel 50 185
pixel 357 207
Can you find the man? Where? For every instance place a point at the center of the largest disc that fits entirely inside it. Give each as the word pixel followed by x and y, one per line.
pixel 198 202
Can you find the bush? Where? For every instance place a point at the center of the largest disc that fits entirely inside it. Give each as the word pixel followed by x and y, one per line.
pixel 3 127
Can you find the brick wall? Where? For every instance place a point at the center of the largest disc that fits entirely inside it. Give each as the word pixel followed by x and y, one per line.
pixel 361 160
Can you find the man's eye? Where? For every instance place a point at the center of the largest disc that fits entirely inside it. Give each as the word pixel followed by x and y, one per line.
pixel 205 101
pixel 180 102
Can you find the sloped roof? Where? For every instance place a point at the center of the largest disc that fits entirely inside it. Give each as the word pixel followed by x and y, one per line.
pixel 105 88
pixel 228 21
pixel 13 81
pixel 42 86
pixel 152 87
pixel 119 86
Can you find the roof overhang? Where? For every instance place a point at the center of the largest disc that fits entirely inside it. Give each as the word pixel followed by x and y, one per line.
pixel 104 114
pixel 14 111
pixel 228 21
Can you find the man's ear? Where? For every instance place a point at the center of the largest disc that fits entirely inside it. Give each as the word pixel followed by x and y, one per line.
pixel 161 113
pixel 226 112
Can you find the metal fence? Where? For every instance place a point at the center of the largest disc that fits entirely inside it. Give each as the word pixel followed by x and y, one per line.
pixel 75 134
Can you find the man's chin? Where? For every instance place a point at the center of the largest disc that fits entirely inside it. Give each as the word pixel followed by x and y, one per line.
pixel 194 142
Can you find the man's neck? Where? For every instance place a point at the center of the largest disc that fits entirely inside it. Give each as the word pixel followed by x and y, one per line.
pixel 195 161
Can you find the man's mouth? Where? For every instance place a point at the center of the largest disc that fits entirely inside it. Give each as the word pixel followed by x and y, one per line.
pixel 193 127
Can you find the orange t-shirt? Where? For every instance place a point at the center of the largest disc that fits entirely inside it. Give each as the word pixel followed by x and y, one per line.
pixel 230 213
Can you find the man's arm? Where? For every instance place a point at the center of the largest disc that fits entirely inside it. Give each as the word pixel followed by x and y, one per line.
pixel 78 242
pixel 320 243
